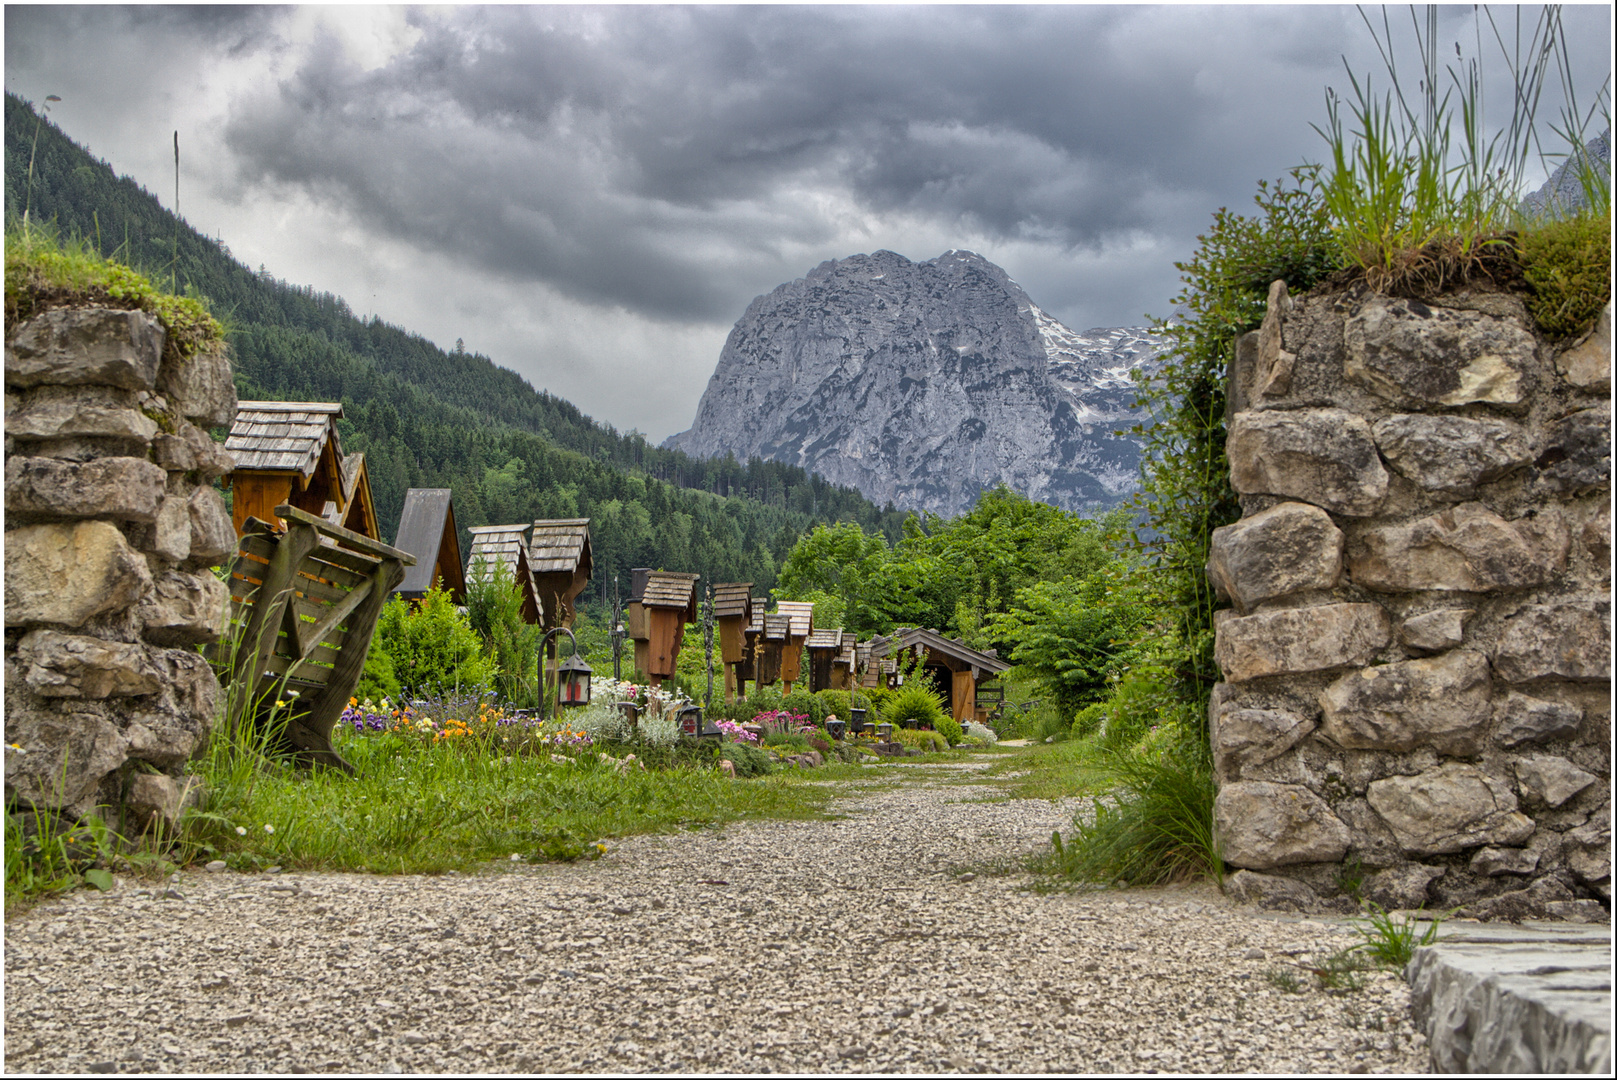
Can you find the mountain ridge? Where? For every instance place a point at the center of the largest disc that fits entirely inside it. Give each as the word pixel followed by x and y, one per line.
pixel 925 383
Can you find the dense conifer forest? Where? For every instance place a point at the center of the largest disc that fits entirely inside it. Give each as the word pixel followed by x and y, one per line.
pixel 429 418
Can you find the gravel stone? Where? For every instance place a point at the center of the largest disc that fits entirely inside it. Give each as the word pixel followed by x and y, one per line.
pixel 863 952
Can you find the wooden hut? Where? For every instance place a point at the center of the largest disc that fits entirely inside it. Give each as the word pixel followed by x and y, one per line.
pixel 772 639
pixel 559 557
pixel 427 531
pixel 635 623
pixel 669 600
pixel 801 614
pixel 286 452
pixel 753 643
pixel 956 668
pixel 506 545
pixel 358 511
pixel 732 610
pixel 842 665
pixel 824 646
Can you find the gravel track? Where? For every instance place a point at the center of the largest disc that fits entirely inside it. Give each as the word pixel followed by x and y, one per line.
pixel 857 944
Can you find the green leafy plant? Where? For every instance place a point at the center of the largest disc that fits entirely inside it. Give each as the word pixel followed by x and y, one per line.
pixel 950 729
pixel 915 700
pixel 1392 942
pixel 748 760
pixel 1567 264
pixel 928 741
pixel 510 642
pixel 432 645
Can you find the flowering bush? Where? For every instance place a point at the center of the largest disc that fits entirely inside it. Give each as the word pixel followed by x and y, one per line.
pixel 734 732
pixel 782 722
pixel 981 732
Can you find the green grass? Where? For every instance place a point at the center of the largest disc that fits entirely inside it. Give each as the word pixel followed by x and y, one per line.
pixel 45 270
pixel 1392 943
pixel 426 809
pixel 1567 264
pixel 1052 771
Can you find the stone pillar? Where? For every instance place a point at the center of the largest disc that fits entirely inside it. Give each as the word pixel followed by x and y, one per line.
pixel 1416 698
pixel 112 526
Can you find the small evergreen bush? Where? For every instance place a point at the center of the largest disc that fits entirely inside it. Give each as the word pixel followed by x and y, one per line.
pixel 915 700
pixel 929 741
pixel 950 729
pixel 748 760
pixel 1567 263
pixel 432 647
pixel 803 703
pixel 838 703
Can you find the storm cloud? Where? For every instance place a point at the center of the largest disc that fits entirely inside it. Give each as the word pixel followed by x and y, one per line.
pixel 563 185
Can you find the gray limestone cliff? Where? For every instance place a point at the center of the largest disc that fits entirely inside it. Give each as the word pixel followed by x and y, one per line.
pixel 924 384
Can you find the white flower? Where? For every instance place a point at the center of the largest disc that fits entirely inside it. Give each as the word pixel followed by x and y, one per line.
pixel 515 857
pixel 268 827
pixel 241 830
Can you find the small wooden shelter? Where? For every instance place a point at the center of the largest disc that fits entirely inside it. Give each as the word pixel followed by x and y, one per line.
pixel 559 558
pixel 358 511
pixel 955 666
pixel 824 646
pixel 669 601
pixel 772 639
pixel 506 545
pixel 427 531
pixel 286 452
pixel 801 614
pixel 303 608
pixel 635 622
pixel 732 610
pixel 752 636
pixel 842 665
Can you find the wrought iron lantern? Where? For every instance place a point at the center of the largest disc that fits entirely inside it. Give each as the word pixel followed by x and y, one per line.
pixel 884 732
pixel 572 674
pixel 835 728
pixel 856 719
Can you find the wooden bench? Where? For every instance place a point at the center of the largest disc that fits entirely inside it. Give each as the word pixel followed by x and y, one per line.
pixel 303 606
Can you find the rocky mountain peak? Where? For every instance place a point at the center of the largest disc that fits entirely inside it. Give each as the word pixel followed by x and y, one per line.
pixel 924 383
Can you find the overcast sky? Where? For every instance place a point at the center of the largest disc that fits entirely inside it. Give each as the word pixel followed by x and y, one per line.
pixel 593 195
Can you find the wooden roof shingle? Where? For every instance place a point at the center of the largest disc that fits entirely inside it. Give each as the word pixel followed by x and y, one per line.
pixel 670 589
pixel 777 626
pixel 560 545
pixel 825 639
pixel 802 615
pixel 504 545
pixel 908 637
pixel 283 436
pixel 733 600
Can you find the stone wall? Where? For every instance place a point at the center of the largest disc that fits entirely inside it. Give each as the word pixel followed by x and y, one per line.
pixel 1416 697
pixel 112 524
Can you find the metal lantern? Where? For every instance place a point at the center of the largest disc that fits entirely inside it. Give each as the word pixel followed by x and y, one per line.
pixel 835 728
pixel 884 732
pixel 690 720
pixel 574 677
pixel 856 720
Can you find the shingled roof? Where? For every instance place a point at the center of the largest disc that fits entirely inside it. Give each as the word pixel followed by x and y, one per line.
pixel 777 626
pixel 560 545
pixel 733 600
pixel 802 615
pixel 669 589
pixel 908 637
pixel 283 436
pixel 506 545
pixel 427 531
pixel 825 639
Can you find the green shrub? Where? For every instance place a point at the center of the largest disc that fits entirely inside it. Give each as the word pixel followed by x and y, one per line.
pixel 836 703
pixel 494 610
pixel 915 700
pixel 377 680
pixel 1088 720
pixel 790 739
pixel 1567 263
pixel 432 646
pixel 930 741
pixel 762 699
pixel 950 729
pixel 803 703
pixel 747 759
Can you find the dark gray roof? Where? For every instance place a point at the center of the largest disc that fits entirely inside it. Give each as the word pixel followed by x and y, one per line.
pixel 428 521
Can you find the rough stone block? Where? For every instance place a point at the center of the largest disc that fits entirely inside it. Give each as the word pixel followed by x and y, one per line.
pixel 1271 893
pixel 1520 720
pixel 66 574
pixel 201 388
pixel 124 488
pixel 184 609
pixel 1449 809
pixel 1529 903
pixel 1466 548
pixel 155 801
pixel 59 412
pixel 66 754
pixel 1243 738
pixel 213 534
pixel 1451 455
pixel 171 538
pixel 1434 631
pixel 1401 887
pixel 72 665
pixel 1322 456
pixel 86 347
pixel 1494 862
pixel 1577 453
pixel 1262 825
pixel 1443 702
pixel 1570 640
pixel 1587 364
pixel 1588 853
pixel 1410 353
pixel 1275 364
pixel 1550 780
pixel 1306 639
pixel 190 449
pixel 1282 550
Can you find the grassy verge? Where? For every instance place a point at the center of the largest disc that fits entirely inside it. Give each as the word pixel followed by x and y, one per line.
pixel 1050 771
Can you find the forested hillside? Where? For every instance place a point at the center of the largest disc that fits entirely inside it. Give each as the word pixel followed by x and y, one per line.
pixel 430 418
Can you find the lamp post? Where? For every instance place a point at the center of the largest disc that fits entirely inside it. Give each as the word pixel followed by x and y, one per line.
pixel 572 674
pixel 618 633
pixel 707 639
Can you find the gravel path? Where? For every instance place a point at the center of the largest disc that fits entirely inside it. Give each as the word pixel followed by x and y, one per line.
pixel 846 945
